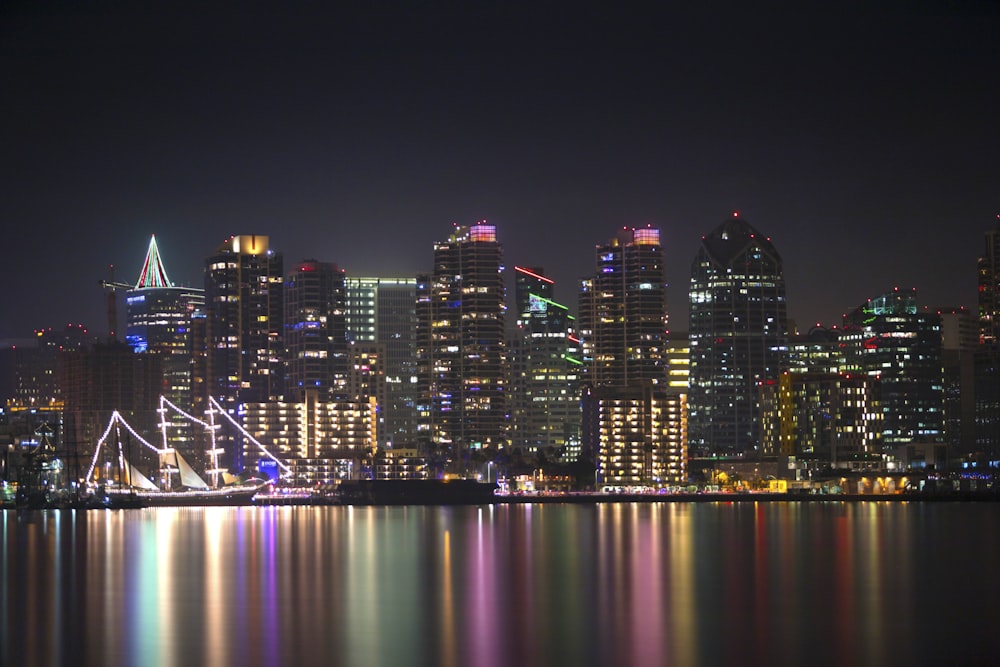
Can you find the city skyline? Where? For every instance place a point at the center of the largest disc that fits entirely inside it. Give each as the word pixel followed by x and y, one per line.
pixel 861 142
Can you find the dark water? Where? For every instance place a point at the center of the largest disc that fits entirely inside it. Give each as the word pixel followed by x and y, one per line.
pixel 617 584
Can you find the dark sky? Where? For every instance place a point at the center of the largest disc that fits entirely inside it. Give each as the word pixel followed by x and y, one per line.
pixel 864 143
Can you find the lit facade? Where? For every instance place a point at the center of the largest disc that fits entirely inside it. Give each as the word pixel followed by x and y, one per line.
pixel 158 321
pixel 899 349
pixel 382 311
pixel 623 315
pixel 244 329
pixel 460 343
pixel 824 420
pixel 322 440
pixel 315 302
pixel 738 336
pixel 641 435
pixel 545 371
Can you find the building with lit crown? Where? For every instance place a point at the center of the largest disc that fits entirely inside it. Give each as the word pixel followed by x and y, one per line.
pixel 738 335
pixel 158 321
pixel 460 344
pixel 244 328
pixel 899 349
pixel 545 371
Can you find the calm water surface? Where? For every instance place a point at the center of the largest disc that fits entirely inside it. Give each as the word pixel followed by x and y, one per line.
pixel 614 584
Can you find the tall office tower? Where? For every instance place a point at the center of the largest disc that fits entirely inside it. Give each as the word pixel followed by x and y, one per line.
pixel 623 315
pixel 244 332
pixel 158 321
pixel 989 287
pixel 545 371
pixel 739 336
pixel 382 311
pixel 315 331
pixel 899 349
pixel 461 352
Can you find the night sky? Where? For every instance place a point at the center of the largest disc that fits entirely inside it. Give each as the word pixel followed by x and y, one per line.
pixel 865 144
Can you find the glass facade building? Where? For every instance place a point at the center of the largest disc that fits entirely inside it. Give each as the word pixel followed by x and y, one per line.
pixel 738 336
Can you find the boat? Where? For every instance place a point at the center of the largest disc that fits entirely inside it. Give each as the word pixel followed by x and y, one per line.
pixel 416 492
pixel 192 491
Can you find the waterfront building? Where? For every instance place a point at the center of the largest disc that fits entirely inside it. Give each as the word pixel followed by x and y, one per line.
pixel 320 440
pixel 244 330
pixel 545 371
pixel 634 422
pixel 678 362
pixel 899 349
pixel 738 336
pixel 315 301
pixel 382 311
pixel 158 321
pixel 817 421
pixel 460 344
pixel 640 432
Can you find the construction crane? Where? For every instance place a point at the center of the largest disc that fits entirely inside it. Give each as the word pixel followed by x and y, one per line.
pixel 111 288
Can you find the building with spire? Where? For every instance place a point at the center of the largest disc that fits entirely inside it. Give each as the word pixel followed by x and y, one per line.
pixel 158 321
pixel 738 336
pixel 460 344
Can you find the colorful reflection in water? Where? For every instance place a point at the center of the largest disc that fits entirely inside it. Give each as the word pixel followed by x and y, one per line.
pixel 615 584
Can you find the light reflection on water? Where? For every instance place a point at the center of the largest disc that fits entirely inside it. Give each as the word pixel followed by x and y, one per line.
pixel 610 584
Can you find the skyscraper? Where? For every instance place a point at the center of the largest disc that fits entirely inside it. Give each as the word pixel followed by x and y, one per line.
pixel 623 316
pixel 382 311
pixel 989 287
pixel 244 332
pixel 158 321
pixel 738 334
pixel 633 423
pixel 545 370
pixel 315 331
pixel 461 353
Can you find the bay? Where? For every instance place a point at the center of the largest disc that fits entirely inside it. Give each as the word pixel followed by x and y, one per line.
pixel 820 583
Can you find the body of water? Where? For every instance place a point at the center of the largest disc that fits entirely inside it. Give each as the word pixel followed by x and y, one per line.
pixel 831 583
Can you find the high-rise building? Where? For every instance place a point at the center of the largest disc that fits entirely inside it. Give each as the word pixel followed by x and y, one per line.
pixel 959 342
pixel 158 321
pixel 738 335
pixel 623 315
pixel 460 351
pixel 899 349
pixel 545 371
pixel 382 311
pixel 989 287
pixel 315 331
pixel 634 424
pixel 244 329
